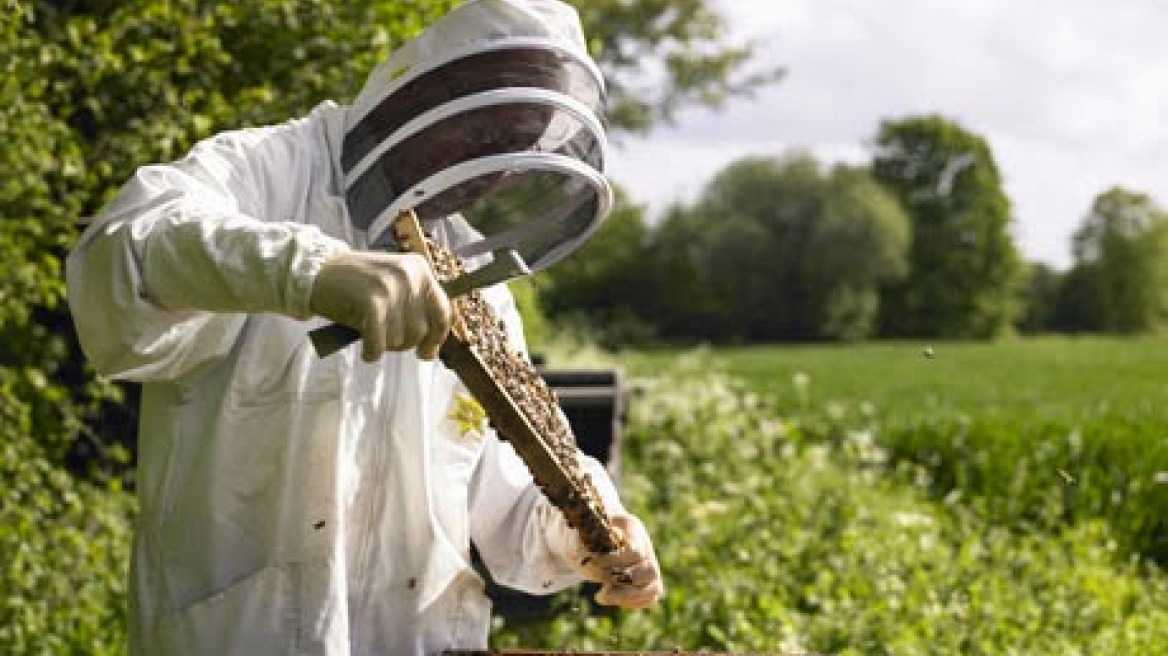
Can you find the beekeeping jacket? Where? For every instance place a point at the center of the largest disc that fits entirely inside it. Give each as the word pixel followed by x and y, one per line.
pixel 291 504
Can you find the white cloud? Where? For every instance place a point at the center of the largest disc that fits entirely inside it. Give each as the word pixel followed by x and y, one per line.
pixel 1071 95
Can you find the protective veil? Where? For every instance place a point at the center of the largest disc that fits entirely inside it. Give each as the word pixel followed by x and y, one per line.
pixel 495 107
pixel 292 504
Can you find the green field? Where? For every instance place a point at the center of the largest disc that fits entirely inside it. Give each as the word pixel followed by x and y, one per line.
pixel 1035 429
pixel 1031 380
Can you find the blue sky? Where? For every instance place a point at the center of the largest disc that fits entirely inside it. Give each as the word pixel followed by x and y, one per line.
pixel 1072 96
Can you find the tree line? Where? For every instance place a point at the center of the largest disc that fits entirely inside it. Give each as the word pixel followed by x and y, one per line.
pixel 915 244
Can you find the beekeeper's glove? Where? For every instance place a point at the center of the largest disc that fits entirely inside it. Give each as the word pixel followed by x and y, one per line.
pixel 392 299
pixel 630 576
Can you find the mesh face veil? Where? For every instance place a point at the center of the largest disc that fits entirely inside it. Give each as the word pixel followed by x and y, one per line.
pixel 494 112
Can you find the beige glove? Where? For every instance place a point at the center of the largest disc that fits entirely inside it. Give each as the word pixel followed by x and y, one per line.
pixel 629 577
pixel 392 299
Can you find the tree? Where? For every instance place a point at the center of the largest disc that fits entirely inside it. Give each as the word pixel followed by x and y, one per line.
pixel 605 282
pixel 681 303
pixel 1040 298
pixel 661 55
pixel 784 250
pixel 1121 252
pixel 1079 301
pixel 861 244
pixel 964 266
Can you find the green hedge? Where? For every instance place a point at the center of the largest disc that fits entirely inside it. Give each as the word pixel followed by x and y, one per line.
pixel 65 544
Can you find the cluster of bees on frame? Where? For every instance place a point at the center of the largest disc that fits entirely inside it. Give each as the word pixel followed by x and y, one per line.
pixel 477 325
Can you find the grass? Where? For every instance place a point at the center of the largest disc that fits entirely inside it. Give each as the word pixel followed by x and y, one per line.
pixel 1039 431
pixel 1064 379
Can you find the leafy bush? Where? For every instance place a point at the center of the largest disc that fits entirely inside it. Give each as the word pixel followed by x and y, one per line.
pixel 92 90
pixel 772 539
pixel 1049 473
pixel 66 546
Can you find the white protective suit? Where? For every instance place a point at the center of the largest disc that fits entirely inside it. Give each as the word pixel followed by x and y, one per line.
pixel 291 504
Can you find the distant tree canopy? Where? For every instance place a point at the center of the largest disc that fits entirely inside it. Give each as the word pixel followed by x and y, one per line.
pixel 607 281
pixel 1119 282
pixel 786 250
pixel 1039 298
pixel 780 250
pixel 775 249
pixel 918 245
pixel 965 268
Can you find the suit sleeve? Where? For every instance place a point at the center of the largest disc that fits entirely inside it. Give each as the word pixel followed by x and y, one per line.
pixel 164 278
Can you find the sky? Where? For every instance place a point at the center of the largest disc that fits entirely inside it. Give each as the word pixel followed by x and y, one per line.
pixel 1072 96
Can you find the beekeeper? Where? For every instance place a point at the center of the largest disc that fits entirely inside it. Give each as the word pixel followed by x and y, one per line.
pixel 293 504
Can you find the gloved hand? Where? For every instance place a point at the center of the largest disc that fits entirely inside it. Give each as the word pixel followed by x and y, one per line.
pixel 629 577
pixel 392 299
